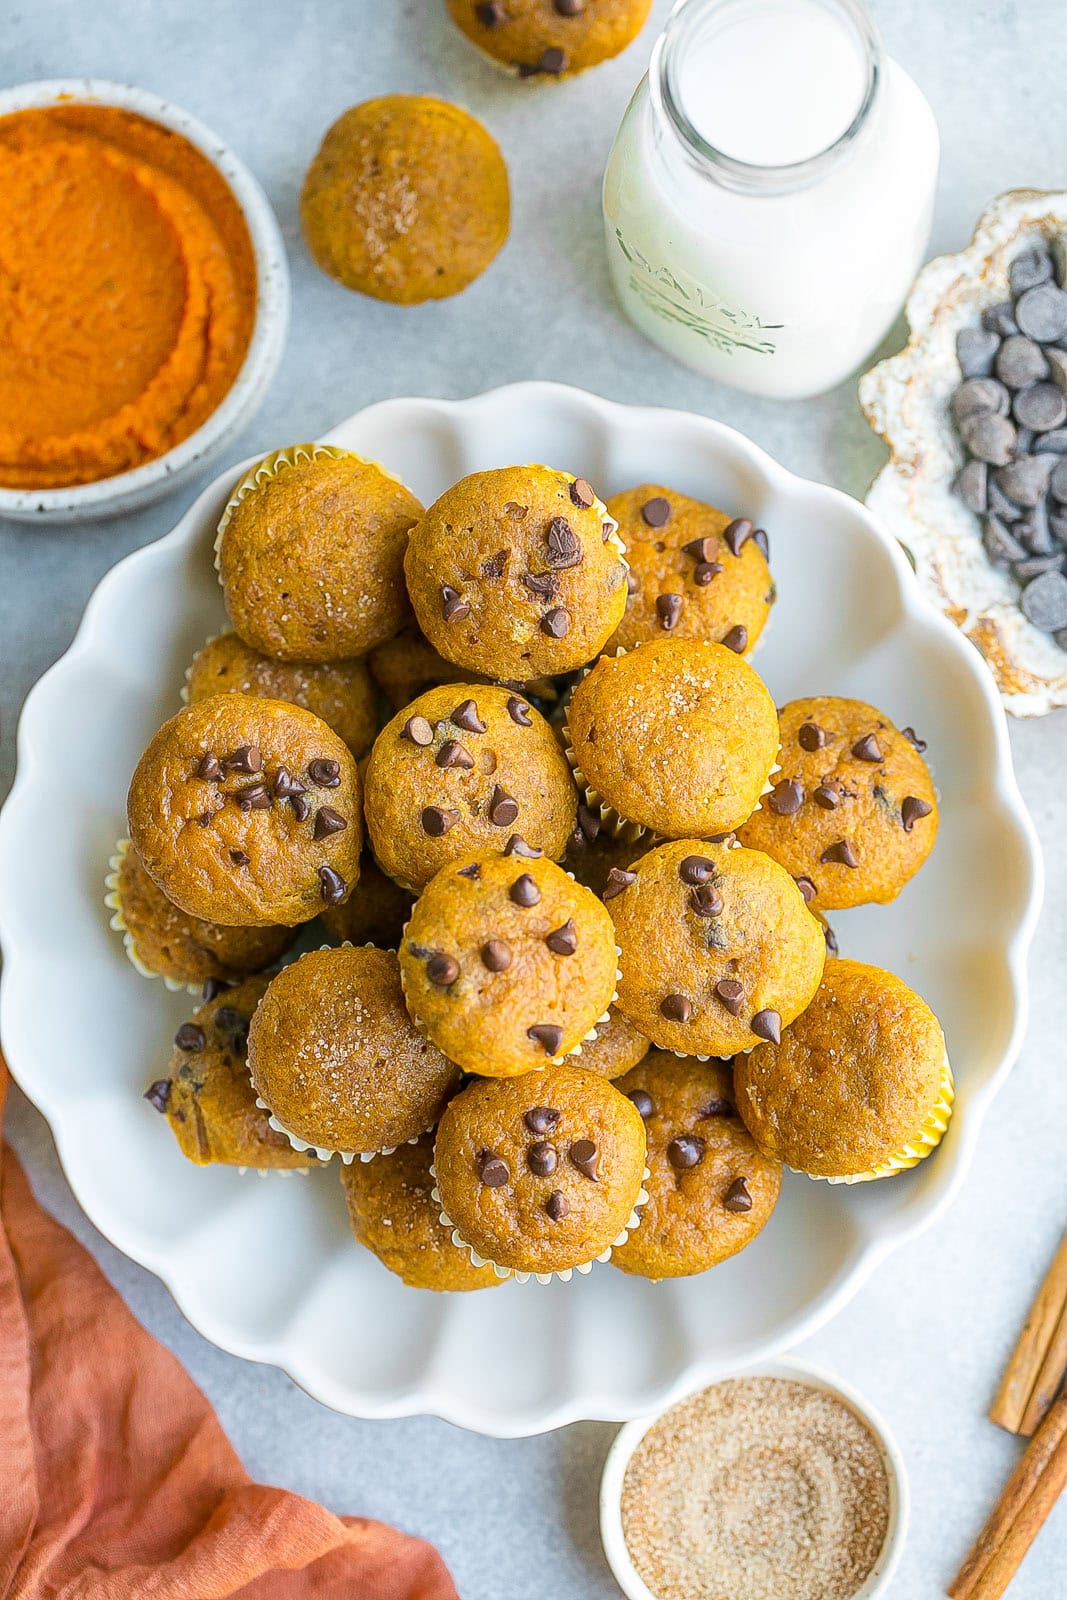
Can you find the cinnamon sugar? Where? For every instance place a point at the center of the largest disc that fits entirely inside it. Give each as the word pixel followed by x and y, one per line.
pixel 756 1489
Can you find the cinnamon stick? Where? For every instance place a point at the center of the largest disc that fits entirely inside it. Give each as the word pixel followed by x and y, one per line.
pixel 1026 1500
pixel 1049 1379
pixel 1028 1358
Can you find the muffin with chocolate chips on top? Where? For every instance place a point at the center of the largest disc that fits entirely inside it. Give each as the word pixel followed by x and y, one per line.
pixel 853 813
pixel 248 812
pixel 538 39
pixel 508 963
pixel 463 768
pixel 541 1174
pixel 695 572
pixel 710 1189
pixel 517 573
pixel 719 950
pixel 207 1095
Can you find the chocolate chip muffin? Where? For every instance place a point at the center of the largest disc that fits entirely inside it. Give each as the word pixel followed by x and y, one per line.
pixel 374 913
pixel 310 552
pixel 695 572
pixel 858 1087
pixel 678 736
pixel 336 1058
pixel 538 39
pixel 207 1095
pixel 508 963
pixel 407 199
pixel 710 1190
pixel 162 941
pixel 464 768
pixel 248 812
pixel 540 1174
pixel 517 573
pixel 616 1048
pixel 340 692
pixel 853 814
pixel 394 1215
pixel 719 950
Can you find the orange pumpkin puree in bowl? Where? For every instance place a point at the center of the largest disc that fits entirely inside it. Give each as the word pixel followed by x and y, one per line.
pixel 127 293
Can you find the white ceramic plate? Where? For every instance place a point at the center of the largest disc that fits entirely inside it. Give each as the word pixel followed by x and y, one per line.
pixel 268 1269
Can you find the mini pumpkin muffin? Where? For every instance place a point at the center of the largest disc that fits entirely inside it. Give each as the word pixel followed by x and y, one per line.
pixel 406 665
pixel 374 913
pixel 336 1058
pixel 207 1095
pixel 517 573
pixel 695 573
pixel 248 812
pixel 858 1087
pixel 310 552
pixel 853 814
pixel 540 1174
pixel 393 1213
pixel 710 1190
pixel 550 38
pixel 508 963
pixel 616 1048
pixel 162 941
pixel 678 736
pixel 406 200
pixel 462 768
pixel 340 692
pixel 719 950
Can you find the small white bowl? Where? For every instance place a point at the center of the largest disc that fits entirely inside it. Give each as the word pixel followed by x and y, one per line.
pixel 128 490
pixel 629 1437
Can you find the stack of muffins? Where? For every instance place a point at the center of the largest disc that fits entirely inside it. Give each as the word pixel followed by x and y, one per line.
pixel 509 757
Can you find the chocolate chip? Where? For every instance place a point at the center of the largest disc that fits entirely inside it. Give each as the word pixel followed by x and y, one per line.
pixel 913 739
pixel 737 1198
pixel 868 748
pixel 466 716
pixel 453 754
pixel 840 854
pixel 239 858
pixel 1056 442
pixel 989 437
pixel 158 1094
pixel 496 955
pixel 564 549
pixel 731 994
pixel 453 607
pixel 442 969
pixel 1036 565
pixel 676 1008
pixel 618 880
pixel 300 807
pixel 718 1106
pixel 1001 545
pixel 1019 362
pixel 1044 602
pixel 556 623
pixel 978 395
pixel 568 8
pixel 1041 312
pixel 545 584
pixel 702 550
pixel 668 609
pixel 737 638
pixel 541 1119
pixel 696 869
pixel 325 773
pixel 334 887
pixel 786 798
pixel 583 1155
pixel 519 711
pixel 328 821
pixel 524 892
pixel 563 941
pixel 254 798
pixel 490 13
pixel 503 808
pixel 633 582
pixel 1026 478
pixel 1029 269
pixel 912 810
pixel 810 736
pixel 245 759
pixel 190 1037
pixel 643 1103
pixel 971 485
pixel 581 489
pixel 230 1021
pixel 418 730
pixel 547 1035
pixel 209 767
pixel 495 566
pixel 706 900
pixel 492 1171
pixel 589 823
pixel 473 871
pixel 553 60
pixel 213 987
pixel 1057 364
pixel 1000 319
pixel 762 543
pixel 829 939
pixel 542 1158
pixel 807 889
pixel 976 349
pixel 736 533
pixel 557 1206
pixel 656 513
pixel 686 1150
pixel 767 1025
pixel 1041 407
pixel 826 797
pixel 706 570
pixel 436 821
pixel 285 786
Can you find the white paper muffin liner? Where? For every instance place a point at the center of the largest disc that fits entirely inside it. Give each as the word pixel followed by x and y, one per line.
pixel 113 902
pixel 268 1172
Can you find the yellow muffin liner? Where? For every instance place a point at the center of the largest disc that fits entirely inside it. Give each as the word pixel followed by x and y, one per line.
pixel 919 1147
pixel 565 1273
pixel 113 902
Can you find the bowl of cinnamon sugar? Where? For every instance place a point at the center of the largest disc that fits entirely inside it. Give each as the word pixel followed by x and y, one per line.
pixel 778 1484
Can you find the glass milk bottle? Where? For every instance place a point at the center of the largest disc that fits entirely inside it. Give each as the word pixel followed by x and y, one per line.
pixel 769 194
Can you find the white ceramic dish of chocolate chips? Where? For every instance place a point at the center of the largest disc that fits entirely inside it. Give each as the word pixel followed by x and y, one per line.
pixel 974 411
pixel 269 1269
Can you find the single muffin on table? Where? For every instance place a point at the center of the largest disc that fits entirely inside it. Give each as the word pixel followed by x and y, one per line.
pixel 393 1213
pixel 248 812
pixel 517 573
pixel 678 736
pixel 858 1087
pixel 710 1190
pixel 549 38
pixel 508 964
pixel 695 572
pixel 719 950
pixel 338 1062
pixel 540 1175
pixel 207 1095
pixel 853 815
pixel 461 769
pixel 310 551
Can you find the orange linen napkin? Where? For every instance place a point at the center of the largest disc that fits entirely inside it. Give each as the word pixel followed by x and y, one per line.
pixel 116 1479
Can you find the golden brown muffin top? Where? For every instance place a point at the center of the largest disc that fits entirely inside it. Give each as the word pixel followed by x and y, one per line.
pixel 550 38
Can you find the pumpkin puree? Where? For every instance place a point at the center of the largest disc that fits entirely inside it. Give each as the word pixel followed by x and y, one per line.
pixel 127 293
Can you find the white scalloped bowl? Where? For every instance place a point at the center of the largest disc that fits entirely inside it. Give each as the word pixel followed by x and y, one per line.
pixel 267 1269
